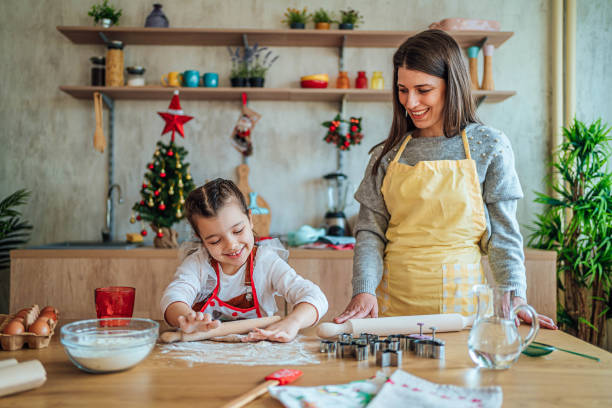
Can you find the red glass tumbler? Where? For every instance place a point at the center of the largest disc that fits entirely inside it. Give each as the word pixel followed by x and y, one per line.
pixel 115 301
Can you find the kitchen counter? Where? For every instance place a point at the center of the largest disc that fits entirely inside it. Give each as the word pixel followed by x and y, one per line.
pixel 556 380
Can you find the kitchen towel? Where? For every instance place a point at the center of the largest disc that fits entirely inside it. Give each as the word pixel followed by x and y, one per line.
pixel 400 390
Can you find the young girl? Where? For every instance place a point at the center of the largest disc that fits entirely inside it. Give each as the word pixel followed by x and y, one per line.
pixel 230 277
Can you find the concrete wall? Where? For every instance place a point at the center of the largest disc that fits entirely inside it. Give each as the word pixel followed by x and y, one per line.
pixel 46 136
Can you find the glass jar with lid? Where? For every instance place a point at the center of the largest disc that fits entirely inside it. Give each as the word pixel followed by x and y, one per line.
pixel 114 64
pixel 135 75
pixel 98 70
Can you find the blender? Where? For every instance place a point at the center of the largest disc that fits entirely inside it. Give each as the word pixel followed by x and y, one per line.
pixel 337 189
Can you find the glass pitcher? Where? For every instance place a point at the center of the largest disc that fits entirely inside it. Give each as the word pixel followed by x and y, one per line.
pixel 494 341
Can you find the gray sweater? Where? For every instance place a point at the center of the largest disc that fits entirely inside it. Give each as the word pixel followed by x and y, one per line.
pixel 500 187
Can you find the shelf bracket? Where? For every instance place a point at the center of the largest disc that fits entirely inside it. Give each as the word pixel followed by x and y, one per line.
pixel 245 41
pixel 104 37
pixel 341 54
pixel 110 104
pixel 482 42
pixel 480 100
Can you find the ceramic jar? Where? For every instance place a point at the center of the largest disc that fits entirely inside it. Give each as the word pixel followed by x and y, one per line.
pixel 361 82
pixel 343 80
pixel 377 80
pixel 157 18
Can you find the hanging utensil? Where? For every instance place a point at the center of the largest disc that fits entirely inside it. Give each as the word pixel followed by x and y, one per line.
pixel 537 349
pixel 99 140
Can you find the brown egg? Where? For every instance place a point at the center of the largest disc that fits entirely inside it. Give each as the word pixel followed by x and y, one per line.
pixel 22 313
pixel 47 308
pixel 50 314
pixel 40 327
pixel 18 319
pixel 14 327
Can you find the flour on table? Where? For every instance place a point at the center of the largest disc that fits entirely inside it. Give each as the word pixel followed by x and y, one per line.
pixel 230 350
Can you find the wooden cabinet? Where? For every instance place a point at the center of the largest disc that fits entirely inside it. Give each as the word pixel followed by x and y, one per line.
pixel 66 278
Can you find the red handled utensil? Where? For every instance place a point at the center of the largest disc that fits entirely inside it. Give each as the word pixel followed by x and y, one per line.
pixel 280 377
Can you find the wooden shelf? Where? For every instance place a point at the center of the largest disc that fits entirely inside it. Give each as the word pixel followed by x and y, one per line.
pixel 282 38
pixel 262 94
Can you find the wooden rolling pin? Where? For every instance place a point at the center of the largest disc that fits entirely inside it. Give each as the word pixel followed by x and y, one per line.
pixel 384 326
pixel 234 327
pixel 16 377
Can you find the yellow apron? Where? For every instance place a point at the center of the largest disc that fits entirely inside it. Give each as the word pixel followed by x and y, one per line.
pixel 432 258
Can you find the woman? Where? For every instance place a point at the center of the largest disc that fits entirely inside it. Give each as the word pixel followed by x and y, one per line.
pixel 441 188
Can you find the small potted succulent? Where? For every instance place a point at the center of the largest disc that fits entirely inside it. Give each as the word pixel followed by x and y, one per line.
pixel 296 18
pixel 322 19
pixel 262 62
pixel 105 14
pixel 349 19
pixel 240 68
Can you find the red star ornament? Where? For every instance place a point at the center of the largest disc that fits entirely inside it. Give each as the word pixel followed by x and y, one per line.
pixel 174 117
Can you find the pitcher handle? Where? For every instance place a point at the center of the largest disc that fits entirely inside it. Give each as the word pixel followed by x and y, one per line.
pixel 164 80
pixel 535 324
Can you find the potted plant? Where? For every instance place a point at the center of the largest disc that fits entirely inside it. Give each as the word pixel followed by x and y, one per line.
pixel 14 232
pixel 322 19
pixel 577 224
pixel 240 68
pixel 105 14
pixel 296 18
pixel 260 65
pixel 349 19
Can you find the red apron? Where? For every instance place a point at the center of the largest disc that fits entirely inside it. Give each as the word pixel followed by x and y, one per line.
pixel 245 306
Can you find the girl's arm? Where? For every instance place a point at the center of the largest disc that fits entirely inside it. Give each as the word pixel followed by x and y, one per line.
pixel 179 314
pixel 303 315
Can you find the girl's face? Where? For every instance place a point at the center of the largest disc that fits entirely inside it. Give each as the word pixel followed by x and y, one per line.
pixel 228 237
pixel 423 96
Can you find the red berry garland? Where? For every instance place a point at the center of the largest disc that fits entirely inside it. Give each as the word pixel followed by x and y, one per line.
pixel 343 133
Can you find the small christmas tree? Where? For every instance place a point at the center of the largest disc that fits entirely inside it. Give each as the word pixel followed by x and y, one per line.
pixel 166 183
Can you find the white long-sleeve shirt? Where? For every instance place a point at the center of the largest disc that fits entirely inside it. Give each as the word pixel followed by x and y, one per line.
pixel 195 279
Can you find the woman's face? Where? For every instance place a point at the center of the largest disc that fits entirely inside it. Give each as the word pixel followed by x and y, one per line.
pixel 423 96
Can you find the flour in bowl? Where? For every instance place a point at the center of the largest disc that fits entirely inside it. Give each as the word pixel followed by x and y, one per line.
pixel 106 354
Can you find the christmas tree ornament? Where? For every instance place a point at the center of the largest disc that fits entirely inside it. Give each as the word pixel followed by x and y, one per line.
pixel 160 233
pixel 188 176
pixel 179 213
pixel 343 133
pixel 151 166
pixel 181 199
pixel 180 183
pixel 174 117
pixel 138 217
pixel 242 132
pixel 144 185
pixel 171 189
pixel 162 206
pixel 156 193
pixel 142 202
pixel 156 153
pixel 150 203
pixel 178 162
pixel 143 232
pixel 132 219
pixel 170 153
pixel 162 173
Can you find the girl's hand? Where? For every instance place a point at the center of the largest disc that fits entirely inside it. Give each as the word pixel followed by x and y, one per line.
pixel 545 321
pixel 361 305
pixel 282 332
pixel 192 322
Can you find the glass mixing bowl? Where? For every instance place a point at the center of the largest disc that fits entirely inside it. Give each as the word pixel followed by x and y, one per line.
pixel 108 345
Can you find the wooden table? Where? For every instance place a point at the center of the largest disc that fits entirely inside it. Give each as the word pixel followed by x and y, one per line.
pixel 556 380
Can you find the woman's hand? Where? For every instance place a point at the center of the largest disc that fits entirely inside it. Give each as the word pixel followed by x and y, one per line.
pixel 282 332
pixel 545 321
pixel 361 305
pixel 192 322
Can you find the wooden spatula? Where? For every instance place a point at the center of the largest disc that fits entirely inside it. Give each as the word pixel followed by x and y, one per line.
pixel 280 377
pixel 99 141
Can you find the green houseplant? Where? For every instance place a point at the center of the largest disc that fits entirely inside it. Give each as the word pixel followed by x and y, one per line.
pixel 577 224
pixel 239 74
pixel 105 14
pixel 14 232
pixel 296 18
pixel 322 19
pixel 350 19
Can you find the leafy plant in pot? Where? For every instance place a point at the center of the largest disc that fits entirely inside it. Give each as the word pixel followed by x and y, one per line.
pixel 14 232
pixel 322 19
pixel 105 14
pixel 239 74
pixel 577 224
pixel 296 18
pixel 350 19
pixel 260 65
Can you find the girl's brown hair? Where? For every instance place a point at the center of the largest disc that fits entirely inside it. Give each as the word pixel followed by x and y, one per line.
pixel 436 53
pixel 207 200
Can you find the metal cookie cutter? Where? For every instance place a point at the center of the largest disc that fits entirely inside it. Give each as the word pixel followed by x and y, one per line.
pixel 361 351
pixel 345 338
pixel 389 358
pixel 413 338
pixel 329 347
pixel 394 342
pixel 433 348
pixel 345 349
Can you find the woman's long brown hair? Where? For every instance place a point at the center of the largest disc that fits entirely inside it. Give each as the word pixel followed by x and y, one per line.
pixel 436 53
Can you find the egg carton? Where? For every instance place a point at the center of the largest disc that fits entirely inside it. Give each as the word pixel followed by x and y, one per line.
pixel 11 342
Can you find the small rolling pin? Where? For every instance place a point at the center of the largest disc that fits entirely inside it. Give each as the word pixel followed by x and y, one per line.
pixel 226 328
pixel 384 326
